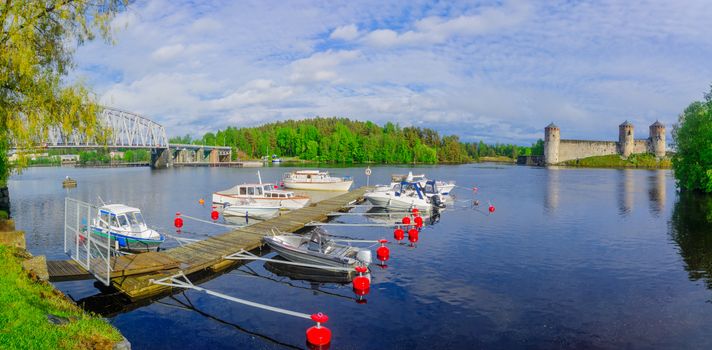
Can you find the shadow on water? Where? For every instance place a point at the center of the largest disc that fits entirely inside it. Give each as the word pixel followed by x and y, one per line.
pixel 691 229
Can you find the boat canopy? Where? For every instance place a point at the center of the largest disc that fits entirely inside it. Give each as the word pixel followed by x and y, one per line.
pixel 405 186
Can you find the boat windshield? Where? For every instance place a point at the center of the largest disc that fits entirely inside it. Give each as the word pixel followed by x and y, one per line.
pixel 122 220
pixel 135 218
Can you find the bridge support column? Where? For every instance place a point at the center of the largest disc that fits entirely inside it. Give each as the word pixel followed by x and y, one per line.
pixel 160 158
pixel 5 199
pixel 213 156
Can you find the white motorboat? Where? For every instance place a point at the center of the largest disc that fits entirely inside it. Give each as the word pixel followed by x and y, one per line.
pixel 406 196
pixel 125 228
pixel 251 208
pixel 318 250
pixel 443 188
pixel 315 180
pixel 264 194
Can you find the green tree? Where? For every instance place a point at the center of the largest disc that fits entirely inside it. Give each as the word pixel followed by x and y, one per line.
pixel 692 163
pixel 37 42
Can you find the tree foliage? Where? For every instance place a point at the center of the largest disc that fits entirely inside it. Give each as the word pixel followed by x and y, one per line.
pixel 37 43
pixel 692 162
pixel 342 140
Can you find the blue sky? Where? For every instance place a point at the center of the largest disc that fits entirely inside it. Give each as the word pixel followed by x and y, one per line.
pixel 492 70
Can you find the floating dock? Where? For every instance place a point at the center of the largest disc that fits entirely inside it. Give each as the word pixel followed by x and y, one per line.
pixel 132 275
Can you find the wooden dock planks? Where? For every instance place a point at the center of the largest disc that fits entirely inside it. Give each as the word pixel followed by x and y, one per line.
pixel 209 253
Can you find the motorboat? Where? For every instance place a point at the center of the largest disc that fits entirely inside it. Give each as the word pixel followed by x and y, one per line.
pixel 317 249
pixel 315 180
pixel 276 159
pixel 264 194
pixel 300 273
pixel 443 188
pixel 406 196
pixel 126 229
pixel 251 208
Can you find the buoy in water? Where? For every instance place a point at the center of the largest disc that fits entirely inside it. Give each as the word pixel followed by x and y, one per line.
pixel 178 221
pixel 319 335
pixel 406 220
pixel 398 234
pixel 201 201
pixel 214 214
pixel 491 208
pixel 418 221
pixel 383 253
pixel 415 211
pixel 361 283
pixel 413 235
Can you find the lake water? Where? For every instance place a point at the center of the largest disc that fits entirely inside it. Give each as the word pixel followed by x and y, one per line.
pixel 572 258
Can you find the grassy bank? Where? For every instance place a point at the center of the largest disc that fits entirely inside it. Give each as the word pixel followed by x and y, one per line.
pixel 644 160
pixel 27 305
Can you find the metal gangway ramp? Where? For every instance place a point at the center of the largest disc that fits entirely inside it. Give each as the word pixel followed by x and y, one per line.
pixel 91 252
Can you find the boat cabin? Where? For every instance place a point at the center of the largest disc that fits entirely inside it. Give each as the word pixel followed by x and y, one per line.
pixel 260 190
pixel 408 188
pixel 122 217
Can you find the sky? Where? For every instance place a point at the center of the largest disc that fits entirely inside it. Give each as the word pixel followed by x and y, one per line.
pixel 497 71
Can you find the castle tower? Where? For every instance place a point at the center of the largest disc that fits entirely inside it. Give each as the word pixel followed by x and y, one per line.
pixel 551 144
pixel 625 139
pixel 657 139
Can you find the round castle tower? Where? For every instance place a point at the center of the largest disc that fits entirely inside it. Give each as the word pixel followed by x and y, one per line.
pixel 625 139
pixel 657 139
pixel 551 144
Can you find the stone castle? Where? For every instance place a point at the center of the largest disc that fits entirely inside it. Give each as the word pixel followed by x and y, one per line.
pixel 557 150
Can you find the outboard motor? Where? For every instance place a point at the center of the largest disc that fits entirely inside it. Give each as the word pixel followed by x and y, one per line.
pixel 436 202
pixel 364 256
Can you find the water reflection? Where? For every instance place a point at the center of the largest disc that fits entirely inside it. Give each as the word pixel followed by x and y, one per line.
pixel 656 191
pixel 551 198
pixel 691 229
pixel 626 191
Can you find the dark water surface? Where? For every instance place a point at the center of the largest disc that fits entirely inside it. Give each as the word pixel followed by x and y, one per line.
pixel 572 258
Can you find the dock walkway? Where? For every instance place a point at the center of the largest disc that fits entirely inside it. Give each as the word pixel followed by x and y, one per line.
pixel 133 278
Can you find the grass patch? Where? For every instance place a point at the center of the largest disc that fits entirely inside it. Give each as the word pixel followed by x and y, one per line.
pixel 498 159
pixel 26 302
pixel 4 215
pixel 643 160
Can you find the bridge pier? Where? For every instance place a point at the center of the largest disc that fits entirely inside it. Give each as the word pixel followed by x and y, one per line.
pixel 161 158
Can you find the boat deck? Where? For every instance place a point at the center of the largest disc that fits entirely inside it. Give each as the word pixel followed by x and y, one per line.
pixel 132 276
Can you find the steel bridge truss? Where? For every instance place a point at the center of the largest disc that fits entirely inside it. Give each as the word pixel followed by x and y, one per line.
pixel 127 130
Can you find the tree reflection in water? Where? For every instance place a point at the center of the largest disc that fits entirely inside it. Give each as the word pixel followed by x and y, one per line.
pixel 691 229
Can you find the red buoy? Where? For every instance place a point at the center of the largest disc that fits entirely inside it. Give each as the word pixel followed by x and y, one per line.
pixel 361 283
pixel 415 211
pixel 418 221
pixel 214 214
pixel 413 235
pixel 406 220
pixel 178 221
pixel 276 187
pixel 383 253
pixel 319 335
pixel 398 234
pixel 491 208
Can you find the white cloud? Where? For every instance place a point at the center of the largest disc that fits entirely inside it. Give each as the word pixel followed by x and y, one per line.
pixel 494 71
pixel 348 32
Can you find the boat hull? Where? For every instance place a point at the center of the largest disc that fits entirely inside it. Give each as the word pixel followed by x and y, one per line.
pixel 261 213
pixel 319 186
pixel 381 200
pixel 127 243
pixel 296 202
pixel 298 255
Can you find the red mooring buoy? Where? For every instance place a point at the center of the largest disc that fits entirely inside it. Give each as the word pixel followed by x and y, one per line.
pixel 415 211
pixel 178 221
pixel 406 220
pixel 383 253
pixel 214 214
pixel 491 208
pixel 398 234
pixel 319 335
pixel 361 283
pixel 418 221
pixel 413 235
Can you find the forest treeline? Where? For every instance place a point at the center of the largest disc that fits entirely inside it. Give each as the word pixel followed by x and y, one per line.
pixel 341 140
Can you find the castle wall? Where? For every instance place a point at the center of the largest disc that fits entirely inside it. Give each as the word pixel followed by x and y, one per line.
pixel 575 149
pixel 641 146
